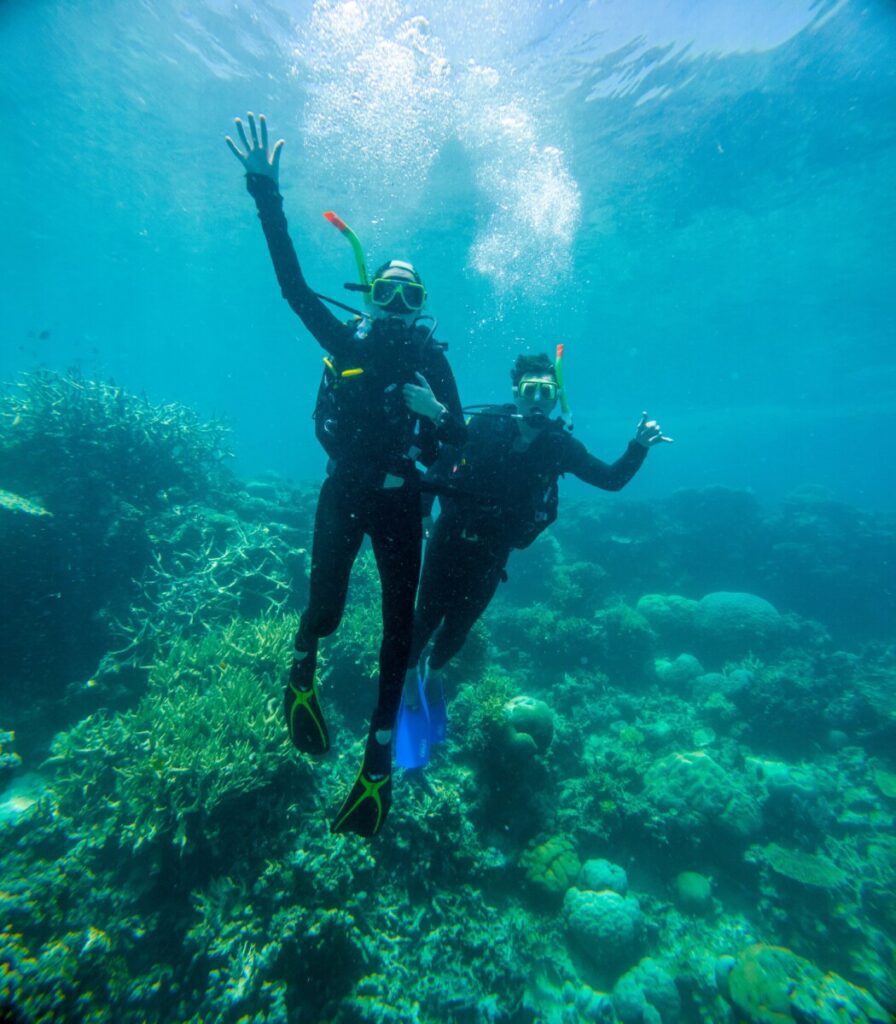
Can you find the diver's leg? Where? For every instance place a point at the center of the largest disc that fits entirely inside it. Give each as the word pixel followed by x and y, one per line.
pixel 396 532
pixel 338 533
pixel 482 568
pixel 432 600
pixel 396 535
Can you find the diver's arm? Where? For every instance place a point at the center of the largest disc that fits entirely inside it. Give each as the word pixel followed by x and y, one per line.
pixel 328 330
pixel 608 476
pixel 262 176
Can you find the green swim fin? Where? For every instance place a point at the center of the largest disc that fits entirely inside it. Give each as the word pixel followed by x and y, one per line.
pixel 301 708
pixel 365 808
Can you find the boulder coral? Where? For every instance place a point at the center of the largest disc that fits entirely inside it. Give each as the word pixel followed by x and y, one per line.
pixel 646 994
pixel 772 985
pixel 598 874
pixel 691 791
pixel 671 617
pixel 693 892
pixel 733 625
pixel 608 929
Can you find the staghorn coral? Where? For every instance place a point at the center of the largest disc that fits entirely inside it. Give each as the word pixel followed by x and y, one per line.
pixel 98 434
pixel 206 568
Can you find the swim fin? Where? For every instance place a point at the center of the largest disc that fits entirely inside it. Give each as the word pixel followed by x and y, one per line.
pixel 365 808
pixel 301 708
pixel 412 730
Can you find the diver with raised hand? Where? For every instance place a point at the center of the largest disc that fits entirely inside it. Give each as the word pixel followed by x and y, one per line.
pixel 387 399
pixel 503 494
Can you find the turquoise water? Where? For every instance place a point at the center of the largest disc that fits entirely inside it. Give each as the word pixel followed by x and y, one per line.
pixel 668 791
pixel 695 197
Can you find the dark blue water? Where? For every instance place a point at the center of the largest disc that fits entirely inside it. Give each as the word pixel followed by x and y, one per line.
pixel 697 198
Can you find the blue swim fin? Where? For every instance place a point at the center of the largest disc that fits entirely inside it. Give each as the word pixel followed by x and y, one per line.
pixel 412 732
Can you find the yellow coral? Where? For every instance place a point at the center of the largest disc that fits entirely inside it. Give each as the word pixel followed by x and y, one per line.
pixel 551 866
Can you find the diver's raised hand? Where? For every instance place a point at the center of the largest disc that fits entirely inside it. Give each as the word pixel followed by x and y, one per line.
pixel 649 432
pixel 255 158
pixel 421 400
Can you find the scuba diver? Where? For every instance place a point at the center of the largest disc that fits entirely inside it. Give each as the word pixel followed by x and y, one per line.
pixel 386 400
pixel 503 495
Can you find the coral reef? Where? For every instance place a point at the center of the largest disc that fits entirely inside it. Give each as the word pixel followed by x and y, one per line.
pixel 689 816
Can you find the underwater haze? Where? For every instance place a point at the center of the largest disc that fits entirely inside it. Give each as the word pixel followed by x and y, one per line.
pixel 695 197
pixel 661 785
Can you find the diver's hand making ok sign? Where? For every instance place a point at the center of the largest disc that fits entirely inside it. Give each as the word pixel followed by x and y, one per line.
pixel 649 432
pixel 255 158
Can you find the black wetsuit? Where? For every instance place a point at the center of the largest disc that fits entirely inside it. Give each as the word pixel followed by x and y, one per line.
pixel 511 497
pixel 373 441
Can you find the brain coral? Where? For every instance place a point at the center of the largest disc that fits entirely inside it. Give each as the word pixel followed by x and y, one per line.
pixel 646 995
pixel 695 792
pixel 528 725
pixel 606 927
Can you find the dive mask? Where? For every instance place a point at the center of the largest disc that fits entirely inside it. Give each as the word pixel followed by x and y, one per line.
pixel 384 289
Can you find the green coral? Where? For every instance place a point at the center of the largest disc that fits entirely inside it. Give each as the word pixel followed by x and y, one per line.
pixel 208 731
pixel 771 985
pixel 551 866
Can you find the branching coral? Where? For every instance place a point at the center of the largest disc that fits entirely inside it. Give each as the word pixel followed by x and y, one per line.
pixel 100 435
pixel 8 758
pixel 206 568
pixel 207 731
pixel 105 465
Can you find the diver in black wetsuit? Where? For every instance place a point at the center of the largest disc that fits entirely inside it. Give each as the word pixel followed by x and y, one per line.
pixel 388 398
pixel 504 484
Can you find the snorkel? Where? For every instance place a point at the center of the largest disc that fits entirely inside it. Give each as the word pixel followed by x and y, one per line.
pixel 558 373
pixel 353 240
